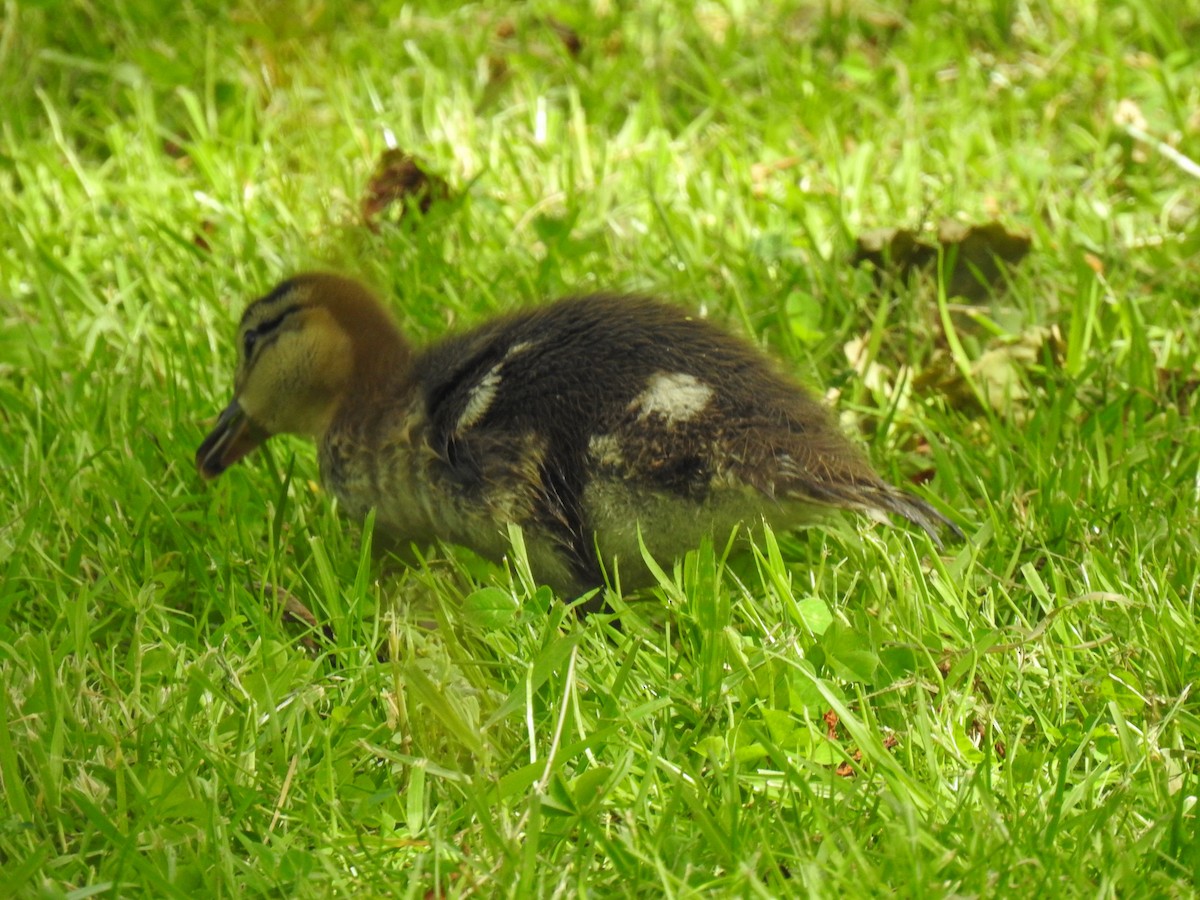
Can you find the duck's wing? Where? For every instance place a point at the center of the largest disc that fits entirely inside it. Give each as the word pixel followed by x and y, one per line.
pixel 542 404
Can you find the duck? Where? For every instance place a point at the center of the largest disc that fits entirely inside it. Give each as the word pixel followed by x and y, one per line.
pixel 599 424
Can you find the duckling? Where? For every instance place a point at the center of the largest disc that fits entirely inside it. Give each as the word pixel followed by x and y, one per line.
pixel 583 422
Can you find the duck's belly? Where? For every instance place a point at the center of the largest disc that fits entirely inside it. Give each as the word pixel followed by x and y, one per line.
pixel 387 476
pixel 671 525
pixel 419 499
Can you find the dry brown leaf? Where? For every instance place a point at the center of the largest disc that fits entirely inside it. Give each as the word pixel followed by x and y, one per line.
pixel 497 69
pixel 977 256
pixel 873 374
pixel 1001 372
pixel 984 254
pixel 295 611
pixel 568 35
pixel 998 374
pixel 831 724
pixel 200 236
pixel 896 250
pixel 1177 387
pixel 845 770
pixel 507 30
pixel 398 177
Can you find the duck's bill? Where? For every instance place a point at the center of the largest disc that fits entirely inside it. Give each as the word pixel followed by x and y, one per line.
pixel 232 437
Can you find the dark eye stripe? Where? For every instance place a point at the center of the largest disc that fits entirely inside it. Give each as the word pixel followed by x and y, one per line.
pixel 286 295
pixel 250 339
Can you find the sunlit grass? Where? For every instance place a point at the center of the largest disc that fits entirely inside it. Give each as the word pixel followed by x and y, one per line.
pixel 838 712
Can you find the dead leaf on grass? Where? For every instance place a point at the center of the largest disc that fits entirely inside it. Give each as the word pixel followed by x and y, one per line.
pixel 1176 387
pixel 844 769
pixel 896 250
pixel 874 374
pixel 201 235
pixel 978 257
pixel 398 180
pixel 296 612
pixel 507 30
pixel 1001 374
pixel 831 724
pixel 568 35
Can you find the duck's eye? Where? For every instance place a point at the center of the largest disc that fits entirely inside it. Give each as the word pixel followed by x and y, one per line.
pixel 262 329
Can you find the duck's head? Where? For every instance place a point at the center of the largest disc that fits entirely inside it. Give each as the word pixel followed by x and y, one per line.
pixel 303 349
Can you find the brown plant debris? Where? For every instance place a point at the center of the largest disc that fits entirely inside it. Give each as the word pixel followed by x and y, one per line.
pixel 399 179
pixel 977 256
pixel 831 724
pixel 1000 376
pixel 527 37
pixel 568 35
pixel 296 612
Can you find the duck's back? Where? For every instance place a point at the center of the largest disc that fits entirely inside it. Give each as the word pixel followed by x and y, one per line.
pixel 591 417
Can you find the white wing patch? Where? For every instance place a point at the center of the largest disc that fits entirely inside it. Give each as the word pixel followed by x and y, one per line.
pixel 676 396
pixel 518 347
pixel 479 399
pixel 483 394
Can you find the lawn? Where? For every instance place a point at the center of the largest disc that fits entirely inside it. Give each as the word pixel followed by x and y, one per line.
pixel 843 711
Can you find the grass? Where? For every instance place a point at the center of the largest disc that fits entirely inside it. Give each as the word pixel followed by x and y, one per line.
pixel 845 711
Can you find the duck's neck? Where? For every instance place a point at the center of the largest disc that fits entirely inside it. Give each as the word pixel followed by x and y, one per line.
pixel 381 360
pixel 376 384
pixel 381 353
